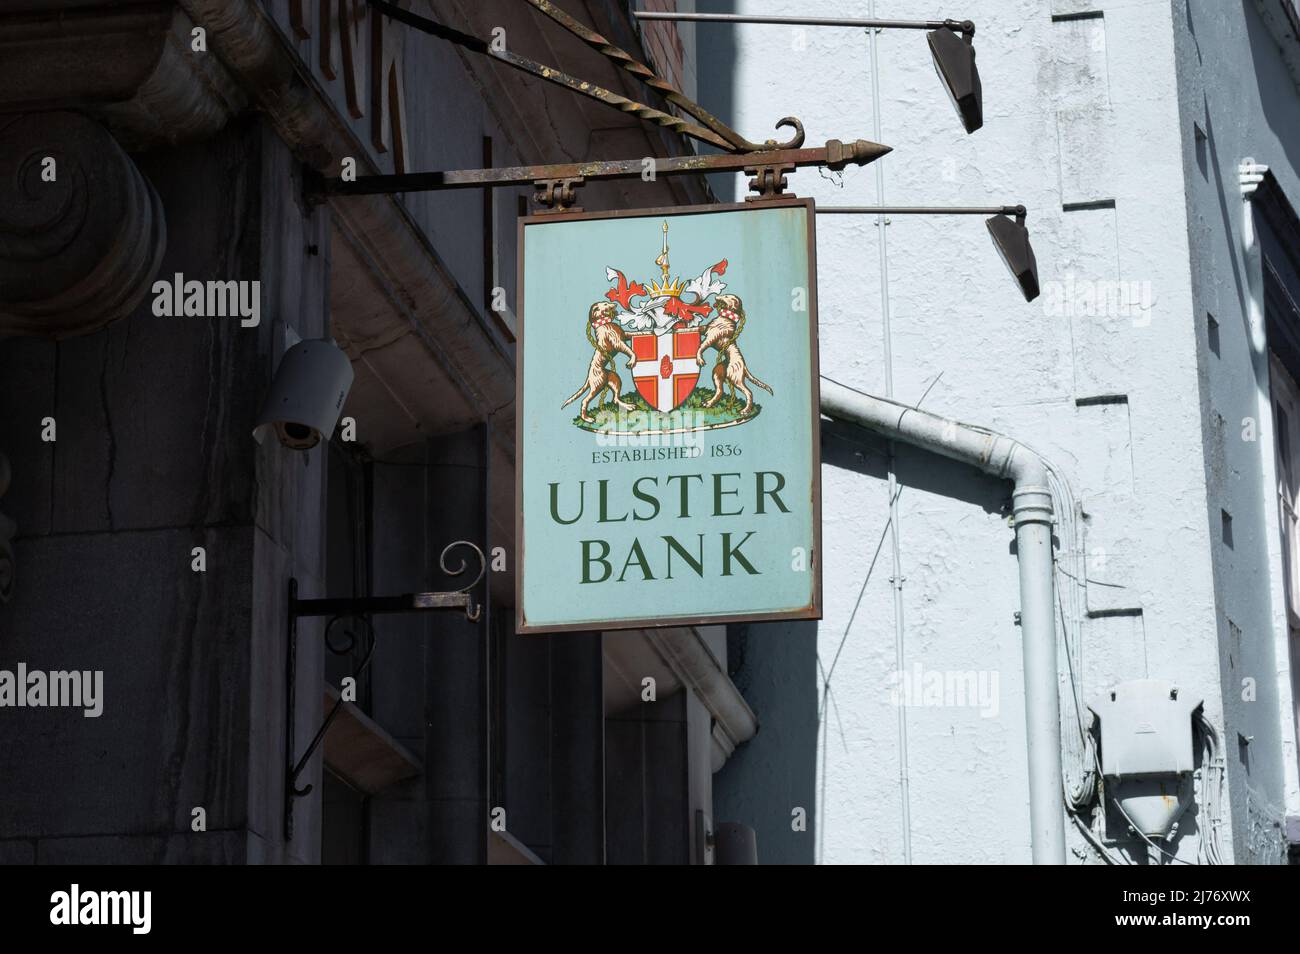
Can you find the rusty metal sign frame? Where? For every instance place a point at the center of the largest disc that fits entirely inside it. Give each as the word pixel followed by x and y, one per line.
pixel 810 611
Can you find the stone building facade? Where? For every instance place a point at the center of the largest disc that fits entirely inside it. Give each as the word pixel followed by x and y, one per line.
pixel 154 540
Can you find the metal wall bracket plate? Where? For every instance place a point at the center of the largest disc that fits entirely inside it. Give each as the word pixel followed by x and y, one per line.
pixel 557 195
pixel 768 181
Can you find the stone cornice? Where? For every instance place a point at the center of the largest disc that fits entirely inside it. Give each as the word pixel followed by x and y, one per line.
pixel 131 66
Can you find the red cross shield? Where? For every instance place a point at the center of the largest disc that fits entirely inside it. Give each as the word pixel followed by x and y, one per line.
pixel 665 371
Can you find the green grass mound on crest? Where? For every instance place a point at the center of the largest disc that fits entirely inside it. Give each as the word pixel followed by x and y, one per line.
pixel 690 414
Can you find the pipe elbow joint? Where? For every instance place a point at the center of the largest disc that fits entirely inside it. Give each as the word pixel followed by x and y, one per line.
pixel 1025 467
pixel 1031 498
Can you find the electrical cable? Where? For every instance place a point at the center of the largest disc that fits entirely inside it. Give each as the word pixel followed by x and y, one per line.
pixel 1091 837
pixel 1077 794
pixel 1210 850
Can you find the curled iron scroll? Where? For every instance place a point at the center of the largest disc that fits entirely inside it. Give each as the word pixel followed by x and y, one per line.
pixel 342 649
pixel 796 140
pixel 472 612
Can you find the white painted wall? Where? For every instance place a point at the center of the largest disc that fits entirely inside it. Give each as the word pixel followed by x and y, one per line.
pixel 1077 111
pixel 1236 88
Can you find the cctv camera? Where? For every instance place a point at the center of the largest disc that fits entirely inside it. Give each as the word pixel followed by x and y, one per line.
pixel 307 394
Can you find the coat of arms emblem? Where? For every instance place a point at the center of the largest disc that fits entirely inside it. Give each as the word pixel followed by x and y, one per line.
pixel 663 330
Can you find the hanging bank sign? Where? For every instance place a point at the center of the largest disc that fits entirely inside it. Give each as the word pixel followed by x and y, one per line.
pixel 668 417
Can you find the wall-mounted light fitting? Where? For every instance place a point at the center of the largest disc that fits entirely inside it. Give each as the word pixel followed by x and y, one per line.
pixel 1012 240
pixel 954 61
pixel 1006 228
pixel 954 55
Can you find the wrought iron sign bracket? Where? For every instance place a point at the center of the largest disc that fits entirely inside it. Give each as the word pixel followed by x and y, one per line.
pixel 556 182
pixel 359 609
pixel 708 127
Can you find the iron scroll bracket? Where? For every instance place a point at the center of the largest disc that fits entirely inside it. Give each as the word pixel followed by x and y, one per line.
pixel 556 183
pixel 708 129
pixel 359 609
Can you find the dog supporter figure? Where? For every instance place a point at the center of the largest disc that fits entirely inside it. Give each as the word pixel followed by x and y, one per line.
pixel 607 338
pixel 721 334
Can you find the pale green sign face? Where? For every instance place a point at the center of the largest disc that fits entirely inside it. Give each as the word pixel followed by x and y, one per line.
pixel 668 424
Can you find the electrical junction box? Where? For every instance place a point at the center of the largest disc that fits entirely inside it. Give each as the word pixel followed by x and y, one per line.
pixel 1146 750
pixel 1146 729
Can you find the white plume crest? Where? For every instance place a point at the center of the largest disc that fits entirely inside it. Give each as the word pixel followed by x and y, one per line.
pixel 705 285
pixel 650 316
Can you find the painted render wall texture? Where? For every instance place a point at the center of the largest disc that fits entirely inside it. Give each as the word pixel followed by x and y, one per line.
pixel 1084 124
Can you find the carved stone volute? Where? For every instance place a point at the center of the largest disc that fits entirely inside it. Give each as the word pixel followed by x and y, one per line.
pixel 82 232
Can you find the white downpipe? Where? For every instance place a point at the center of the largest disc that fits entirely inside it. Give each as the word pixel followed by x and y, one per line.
pixel 1032 509
pixel 1251 174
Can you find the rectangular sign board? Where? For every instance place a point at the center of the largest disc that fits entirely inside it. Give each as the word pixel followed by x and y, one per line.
pixel 668 425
